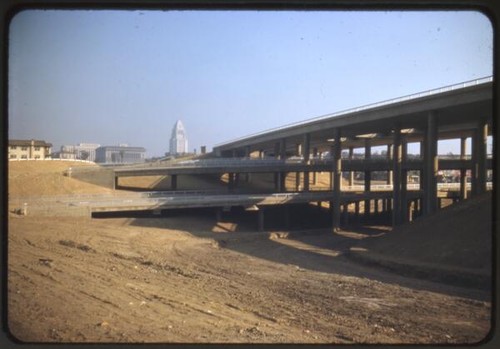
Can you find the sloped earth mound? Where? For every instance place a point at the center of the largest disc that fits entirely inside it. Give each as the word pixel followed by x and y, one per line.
pixel 454 245
pixel 46 178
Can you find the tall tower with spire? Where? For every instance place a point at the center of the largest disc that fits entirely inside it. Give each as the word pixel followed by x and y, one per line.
pixel 178 140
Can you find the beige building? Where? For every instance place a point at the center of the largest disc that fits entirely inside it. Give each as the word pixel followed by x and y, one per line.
pixel 32 149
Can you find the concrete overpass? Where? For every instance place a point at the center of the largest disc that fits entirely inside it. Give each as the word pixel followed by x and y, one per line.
pixel 460 111
pixel 326 144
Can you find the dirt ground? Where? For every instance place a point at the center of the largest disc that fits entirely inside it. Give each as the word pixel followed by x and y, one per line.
pixel 187 278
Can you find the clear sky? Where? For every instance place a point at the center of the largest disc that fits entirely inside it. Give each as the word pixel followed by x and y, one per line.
pixel 113 77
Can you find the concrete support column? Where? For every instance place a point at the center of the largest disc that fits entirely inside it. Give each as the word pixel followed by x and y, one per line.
pixel 430 164
pixel 479 170
pixel 281 181
pixel 351 173
pixel 236 181
pixel 297 181
pixel 396 177
pixel 306 148
pixel 463 171
pixel 283 149
pixel 367 207
pixel 389 157
pixel 315 155
pixel 298 149
pixel 246 176
pixel 306 181
pixel 368 156
pixel 415 209
pixel 337 177
pixel 173 182
pixel 277 150
pixel 405 210
pixel 345 213
pixel 230 181
pixel 306 152
pixel 260 218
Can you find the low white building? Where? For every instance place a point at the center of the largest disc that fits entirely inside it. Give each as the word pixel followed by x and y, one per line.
pixel 81 151
pixel 119 154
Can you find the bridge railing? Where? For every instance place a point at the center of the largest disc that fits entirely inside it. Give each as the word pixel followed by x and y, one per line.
pixel 253 162
pixel 224 162
pixel 64 199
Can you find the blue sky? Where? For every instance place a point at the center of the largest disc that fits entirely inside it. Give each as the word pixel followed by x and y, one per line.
pixel 113 77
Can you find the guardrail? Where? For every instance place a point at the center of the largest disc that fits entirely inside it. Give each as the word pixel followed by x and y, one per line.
pixel 222 199
pixel 253 162
pixel 370 106
pixel 85 204
pixel 64 199
pixel 222 162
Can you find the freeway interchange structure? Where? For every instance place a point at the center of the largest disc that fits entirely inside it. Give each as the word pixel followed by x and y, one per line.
pixel 326 144
pixel 463 111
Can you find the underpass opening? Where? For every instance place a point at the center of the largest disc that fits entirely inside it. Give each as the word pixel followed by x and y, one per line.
pixel 289 217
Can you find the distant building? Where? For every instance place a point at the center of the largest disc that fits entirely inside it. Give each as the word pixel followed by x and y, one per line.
pixel 81 151
pixel 116 154
pixel 29 149
pixel 178 140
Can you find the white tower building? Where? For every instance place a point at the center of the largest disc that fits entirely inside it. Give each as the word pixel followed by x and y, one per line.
pixel 178 141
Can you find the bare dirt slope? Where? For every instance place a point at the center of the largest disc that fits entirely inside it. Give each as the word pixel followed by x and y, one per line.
pixel 39 178
pixel 189 278
pixel 456 240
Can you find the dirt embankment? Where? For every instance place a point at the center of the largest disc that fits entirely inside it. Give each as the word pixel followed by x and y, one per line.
pixel 45 178
pixel 455 243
